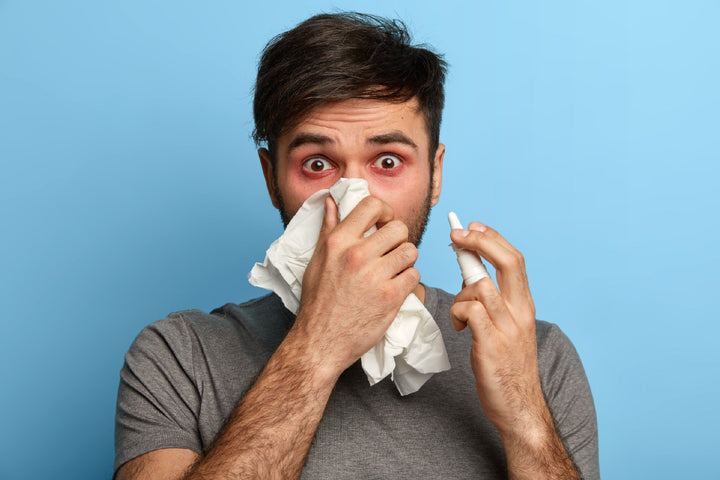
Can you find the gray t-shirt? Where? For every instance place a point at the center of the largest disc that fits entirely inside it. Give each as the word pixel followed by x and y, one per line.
pixel 184 375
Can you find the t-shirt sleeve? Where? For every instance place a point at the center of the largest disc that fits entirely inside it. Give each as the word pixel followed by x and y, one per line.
pixel 570 400
pixel 158 396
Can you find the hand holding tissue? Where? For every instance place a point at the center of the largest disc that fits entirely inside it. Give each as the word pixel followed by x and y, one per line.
pixel 411 349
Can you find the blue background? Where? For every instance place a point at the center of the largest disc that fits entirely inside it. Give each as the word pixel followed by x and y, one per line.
pixel 585 132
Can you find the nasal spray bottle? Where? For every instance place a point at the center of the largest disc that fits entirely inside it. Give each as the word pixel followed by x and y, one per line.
pixel 471 266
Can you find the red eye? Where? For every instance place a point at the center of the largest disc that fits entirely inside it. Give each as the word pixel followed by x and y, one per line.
pixel 317 164
pixel 387 162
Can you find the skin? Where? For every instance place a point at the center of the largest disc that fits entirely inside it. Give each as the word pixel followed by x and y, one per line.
pixel 384 143
pixel 354 287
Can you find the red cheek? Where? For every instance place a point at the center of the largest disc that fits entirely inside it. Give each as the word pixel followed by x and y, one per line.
pixel 314 176
pixel 302 183
pixel 387 172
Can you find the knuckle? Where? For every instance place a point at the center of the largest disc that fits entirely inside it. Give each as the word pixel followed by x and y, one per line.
pixel 389 293
pixel 477 226
pixel 414 251
pixel 399 227
pixel 513 259
pixel 356 257
pixel 408 252
pixel 414 275
pixel 517 259
pixel 476 309
pixel 479 233
pixel 334 241
pixel 486 287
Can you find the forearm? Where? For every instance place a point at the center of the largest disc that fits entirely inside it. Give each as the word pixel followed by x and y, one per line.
pixel 505 360
pixel 536 451
pixel 270 432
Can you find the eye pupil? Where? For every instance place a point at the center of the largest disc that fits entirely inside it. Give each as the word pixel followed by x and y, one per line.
pixel 317 165
pixel 388 162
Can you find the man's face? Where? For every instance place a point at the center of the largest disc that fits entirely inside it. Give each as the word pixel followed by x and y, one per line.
pixel 385 143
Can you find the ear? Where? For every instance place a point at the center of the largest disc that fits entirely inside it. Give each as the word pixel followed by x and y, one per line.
pixel 269 174
pixel 437 174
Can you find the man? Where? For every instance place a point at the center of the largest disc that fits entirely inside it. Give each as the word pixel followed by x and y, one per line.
pixel 250 391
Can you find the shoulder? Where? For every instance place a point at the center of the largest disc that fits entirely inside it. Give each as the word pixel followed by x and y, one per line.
pixel 183 375
pixel 562 374
pixel 250 328
pixel 229 320
pixel 553 345
pixel 265 318
pixel 177 331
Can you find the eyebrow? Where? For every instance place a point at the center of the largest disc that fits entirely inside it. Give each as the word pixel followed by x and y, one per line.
pixel 309 138
pixel 382 139
pixel 392 137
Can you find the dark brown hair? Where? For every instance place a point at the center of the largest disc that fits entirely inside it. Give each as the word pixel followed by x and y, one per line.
pixel 334 57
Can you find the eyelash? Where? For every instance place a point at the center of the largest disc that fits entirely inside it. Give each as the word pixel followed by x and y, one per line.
pixel 307 164
pixel 385 155
pixel 327 164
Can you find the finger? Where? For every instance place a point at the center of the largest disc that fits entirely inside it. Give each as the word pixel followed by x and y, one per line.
pixel 369 212
pixel 406 282
pixel 458 320
pixel 399 259
pixel 485 292
pixel 330 220
pixel 473 314
pixel 508 262
pixel 473 291
pixel 388 237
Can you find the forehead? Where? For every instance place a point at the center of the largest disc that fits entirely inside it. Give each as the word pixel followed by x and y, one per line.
pixel 362 118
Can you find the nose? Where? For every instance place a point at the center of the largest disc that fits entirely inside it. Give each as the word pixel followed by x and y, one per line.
pixel 354 170
pixel 358 170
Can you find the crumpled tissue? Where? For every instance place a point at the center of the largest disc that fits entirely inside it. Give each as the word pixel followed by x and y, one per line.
pixel 412 349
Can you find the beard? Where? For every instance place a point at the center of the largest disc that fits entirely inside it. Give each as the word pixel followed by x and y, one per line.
pixel 416 227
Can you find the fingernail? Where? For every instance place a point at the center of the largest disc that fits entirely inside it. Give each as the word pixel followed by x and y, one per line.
pixel 479 227
pixel 465 233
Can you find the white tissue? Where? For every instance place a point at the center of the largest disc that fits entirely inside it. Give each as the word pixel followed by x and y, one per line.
pixel 412 349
